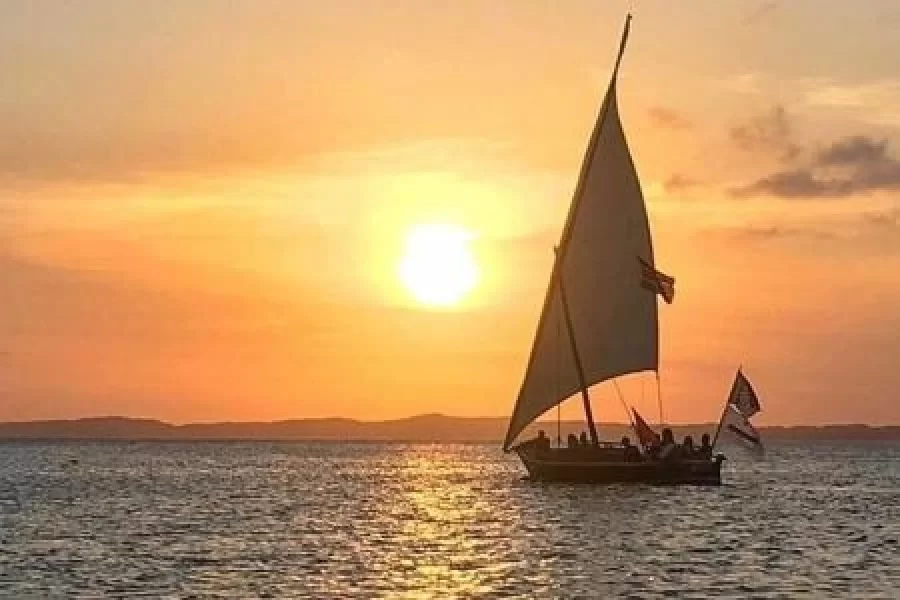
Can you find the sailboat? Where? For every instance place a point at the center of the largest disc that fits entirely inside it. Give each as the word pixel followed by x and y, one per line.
pixel 599 319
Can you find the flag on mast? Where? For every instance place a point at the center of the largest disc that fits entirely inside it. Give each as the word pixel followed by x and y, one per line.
pixel 742 404
pixel 657 281
pixel 743 398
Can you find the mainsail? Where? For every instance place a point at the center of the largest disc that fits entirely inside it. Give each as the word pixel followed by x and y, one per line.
pixel 612 318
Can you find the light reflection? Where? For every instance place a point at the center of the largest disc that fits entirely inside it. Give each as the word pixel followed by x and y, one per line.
pixel 439 551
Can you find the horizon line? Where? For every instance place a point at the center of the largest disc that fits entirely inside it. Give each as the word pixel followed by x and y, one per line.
pixel 411 417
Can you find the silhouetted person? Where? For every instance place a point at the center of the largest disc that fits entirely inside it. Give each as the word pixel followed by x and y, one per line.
pixel 687 447
pixel 705 450
pixel 542 441
pixel 668 449
pixel 584 439
pixel 632 454
pixel 653 449
pixel 572 440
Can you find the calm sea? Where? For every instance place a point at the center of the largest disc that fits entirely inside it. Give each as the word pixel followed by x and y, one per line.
pixel 247 520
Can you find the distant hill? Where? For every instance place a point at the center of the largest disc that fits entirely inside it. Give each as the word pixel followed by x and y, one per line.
pixel 422 428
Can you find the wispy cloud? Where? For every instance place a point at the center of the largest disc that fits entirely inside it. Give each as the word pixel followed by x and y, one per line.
pixel 668 118
pixel 876 102
pixel 679 182
pixel 761 12
pixel 884 219
pixel 768 132
pixel 743 83
pixel 851 229
pixel 770 232
pixel 797 183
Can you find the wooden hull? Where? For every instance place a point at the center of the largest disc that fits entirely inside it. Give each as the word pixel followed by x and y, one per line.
pixel 603 466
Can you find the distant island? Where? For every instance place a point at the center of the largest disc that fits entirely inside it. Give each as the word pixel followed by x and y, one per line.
pixel 422 428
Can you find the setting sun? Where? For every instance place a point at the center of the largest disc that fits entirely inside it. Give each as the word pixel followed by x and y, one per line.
pixel 438 267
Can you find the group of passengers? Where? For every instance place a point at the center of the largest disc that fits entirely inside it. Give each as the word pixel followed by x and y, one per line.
pixel 667 449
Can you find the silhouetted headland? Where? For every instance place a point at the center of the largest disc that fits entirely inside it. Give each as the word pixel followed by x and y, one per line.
pixel 422 428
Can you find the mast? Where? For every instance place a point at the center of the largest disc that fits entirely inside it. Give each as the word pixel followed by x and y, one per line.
pixel 585 396
pixel 622 45
pixel 662 420
pixel 558 406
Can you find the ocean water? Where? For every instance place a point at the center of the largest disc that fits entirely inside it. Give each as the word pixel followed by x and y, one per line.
pixel 321 520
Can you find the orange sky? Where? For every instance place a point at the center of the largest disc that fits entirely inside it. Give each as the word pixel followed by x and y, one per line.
pixel 203 205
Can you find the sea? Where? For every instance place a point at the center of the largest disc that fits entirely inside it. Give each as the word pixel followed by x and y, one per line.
pixel 375 520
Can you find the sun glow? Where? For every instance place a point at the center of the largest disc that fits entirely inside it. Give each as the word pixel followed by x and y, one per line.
pixel 438 267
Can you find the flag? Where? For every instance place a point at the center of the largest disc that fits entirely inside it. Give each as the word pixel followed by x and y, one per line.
pixel 740 427
pixel 645 434
pixel 741 405
pixel 657 282
pixel 743 398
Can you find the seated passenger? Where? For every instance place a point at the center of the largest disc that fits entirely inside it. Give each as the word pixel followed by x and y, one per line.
pixel 572 440
pixel 632 454
pixel 542 441
pixel 584 439
pixel 668 448
pixel 705 450
pixel 687 447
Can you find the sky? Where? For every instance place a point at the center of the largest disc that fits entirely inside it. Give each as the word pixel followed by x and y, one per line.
pixel 204 204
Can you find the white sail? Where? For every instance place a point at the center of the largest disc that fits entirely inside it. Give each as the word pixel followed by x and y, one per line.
pixel 613 317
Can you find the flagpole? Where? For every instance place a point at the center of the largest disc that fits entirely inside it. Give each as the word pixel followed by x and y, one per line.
pixel 559 425
pixel 659 400
pixel 558 406
pixel 725 409
pixel 719 428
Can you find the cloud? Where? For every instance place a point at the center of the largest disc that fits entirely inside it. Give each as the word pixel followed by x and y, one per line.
pixel 771 232
pixel 668 118
pixel 850 166
pixel 839 236
pixel 887 219
pixel 876 102
pixel 768 132
pixel 761 12
pixel 743 83
pixel 798 183
pixel 853 150
pixel 678 182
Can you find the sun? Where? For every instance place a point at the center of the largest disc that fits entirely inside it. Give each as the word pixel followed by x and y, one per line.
pixel 438 267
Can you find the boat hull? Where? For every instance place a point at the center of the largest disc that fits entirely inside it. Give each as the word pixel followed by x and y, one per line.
pixel 564 465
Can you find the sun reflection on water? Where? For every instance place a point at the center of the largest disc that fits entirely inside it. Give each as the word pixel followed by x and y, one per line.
pixel 437 552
